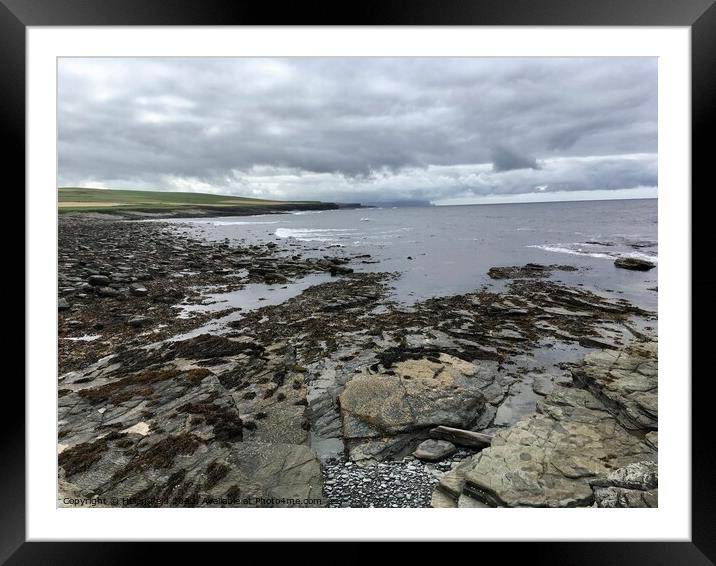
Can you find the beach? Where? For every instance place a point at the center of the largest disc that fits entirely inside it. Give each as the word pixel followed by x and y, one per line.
pixel 457 356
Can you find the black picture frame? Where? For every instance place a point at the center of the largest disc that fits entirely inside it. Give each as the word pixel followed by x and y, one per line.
pixel 699 15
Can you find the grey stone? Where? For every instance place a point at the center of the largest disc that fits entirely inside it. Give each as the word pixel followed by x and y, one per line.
pixel 434 450
pixel 139 321
pixel 634 264
pixel 542 384
pixel 138 289
pixel 98 280
pixel 107 292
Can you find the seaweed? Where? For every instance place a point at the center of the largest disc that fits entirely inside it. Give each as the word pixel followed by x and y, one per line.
pixel 207 346
pixel 196 376
pixel 81 457
pixel 215 472
pixel 127 387
pixel 159 455
pixel 226 424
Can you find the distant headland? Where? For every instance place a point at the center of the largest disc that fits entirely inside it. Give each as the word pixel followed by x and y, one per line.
pixel 164 204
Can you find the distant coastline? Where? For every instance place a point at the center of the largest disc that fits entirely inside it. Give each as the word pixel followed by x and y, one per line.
pixel 160 204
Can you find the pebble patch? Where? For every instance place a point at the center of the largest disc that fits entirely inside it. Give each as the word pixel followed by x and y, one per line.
pixel 408 483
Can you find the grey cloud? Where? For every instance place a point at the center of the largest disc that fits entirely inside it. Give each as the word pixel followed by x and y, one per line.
pixel 209 123
pixel 504 159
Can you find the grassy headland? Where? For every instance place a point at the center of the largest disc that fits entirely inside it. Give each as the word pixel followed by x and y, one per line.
pixel 114 201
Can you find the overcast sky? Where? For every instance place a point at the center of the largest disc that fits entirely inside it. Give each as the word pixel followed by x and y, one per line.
pixel 452 130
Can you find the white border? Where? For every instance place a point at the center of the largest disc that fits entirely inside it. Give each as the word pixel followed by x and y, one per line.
pixel 671 521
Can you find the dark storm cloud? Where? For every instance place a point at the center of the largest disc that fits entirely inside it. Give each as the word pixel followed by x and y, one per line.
pixel 504 159
pixel 262 126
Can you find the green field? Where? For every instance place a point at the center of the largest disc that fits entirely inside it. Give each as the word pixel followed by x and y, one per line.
pixel 75 199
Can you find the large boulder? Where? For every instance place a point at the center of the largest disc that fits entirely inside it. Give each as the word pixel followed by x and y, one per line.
pixel 415 394
pixel 387 413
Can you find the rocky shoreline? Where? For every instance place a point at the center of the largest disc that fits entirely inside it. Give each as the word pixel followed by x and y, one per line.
pixel 322 399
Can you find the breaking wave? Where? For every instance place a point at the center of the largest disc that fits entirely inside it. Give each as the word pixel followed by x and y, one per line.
pixel 576 249
pixel 314 234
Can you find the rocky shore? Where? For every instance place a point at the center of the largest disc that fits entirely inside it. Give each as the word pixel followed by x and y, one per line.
pixel 535 395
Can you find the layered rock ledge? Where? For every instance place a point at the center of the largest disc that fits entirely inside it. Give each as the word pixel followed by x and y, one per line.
pixel 580 448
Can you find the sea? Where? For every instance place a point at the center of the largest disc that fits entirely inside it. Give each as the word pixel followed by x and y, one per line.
pixel 446 250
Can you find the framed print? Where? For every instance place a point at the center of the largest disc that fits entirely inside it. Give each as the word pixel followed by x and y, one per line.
pixel 424 274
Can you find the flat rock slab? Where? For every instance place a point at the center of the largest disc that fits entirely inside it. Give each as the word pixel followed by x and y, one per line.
pixel 461 437
pixel 548 459
pixel 273 475
pixel 434 450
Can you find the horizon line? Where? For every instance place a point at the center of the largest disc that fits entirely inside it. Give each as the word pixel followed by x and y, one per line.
pixel 544 201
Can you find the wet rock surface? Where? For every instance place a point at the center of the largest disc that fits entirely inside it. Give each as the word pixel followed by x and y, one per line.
pixel 336 384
